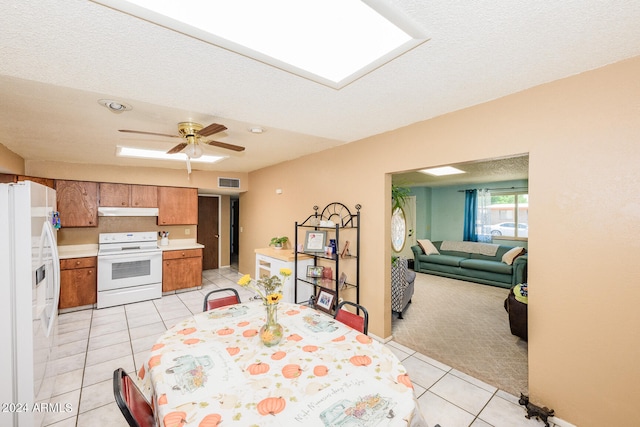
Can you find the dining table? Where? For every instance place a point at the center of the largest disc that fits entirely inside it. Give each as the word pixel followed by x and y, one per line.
pixel 212 369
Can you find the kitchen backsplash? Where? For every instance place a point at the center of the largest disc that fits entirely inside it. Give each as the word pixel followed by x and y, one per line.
pixel 89 235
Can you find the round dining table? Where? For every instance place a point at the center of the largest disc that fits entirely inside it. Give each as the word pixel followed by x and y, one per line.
pixel 212 369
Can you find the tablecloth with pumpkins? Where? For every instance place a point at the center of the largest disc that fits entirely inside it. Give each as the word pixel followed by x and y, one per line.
pixel 212 369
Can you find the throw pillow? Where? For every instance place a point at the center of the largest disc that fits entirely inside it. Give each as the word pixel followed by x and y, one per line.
pixel 427 247
pixel 512 254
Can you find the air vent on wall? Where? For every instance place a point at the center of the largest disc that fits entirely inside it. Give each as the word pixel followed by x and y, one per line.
pixel 228 183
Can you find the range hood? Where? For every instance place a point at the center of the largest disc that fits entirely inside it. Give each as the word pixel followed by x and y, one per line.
pixel 115 211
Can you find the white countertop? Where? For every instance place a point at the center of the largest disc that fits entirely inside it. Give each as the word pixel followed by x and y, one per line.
pixel 89 250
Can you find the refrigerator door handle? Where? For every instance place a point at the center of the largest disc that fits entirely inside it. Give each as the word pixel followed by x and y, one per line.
pixel 48 237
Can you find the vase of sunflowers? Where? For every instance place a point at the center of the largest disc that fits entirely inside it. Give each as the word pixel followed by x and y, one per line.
pixel 269 289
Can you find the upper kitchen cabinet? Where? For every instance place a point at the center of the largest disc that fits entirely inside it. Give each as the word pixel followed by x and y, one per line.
pixel 177 206
pixel 126 195
pixel 15 178
pixel 77 203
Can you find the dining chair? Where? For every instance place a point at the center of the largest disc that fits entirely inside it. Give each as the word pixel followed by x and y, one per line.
pixel 357 322
pixel 133 405
pixel 210 304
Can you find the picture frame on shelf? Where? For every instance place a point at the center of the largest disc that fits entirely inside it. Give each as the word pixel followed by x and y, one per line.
pixel 315 241
pixel 342 282
pixel 325 300
pixel 314 271
pixel 345 250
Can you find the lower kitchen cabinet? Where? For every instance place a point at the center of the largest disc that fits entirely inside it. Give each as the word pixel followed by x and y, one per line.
pixel 181 269
pixel 78 282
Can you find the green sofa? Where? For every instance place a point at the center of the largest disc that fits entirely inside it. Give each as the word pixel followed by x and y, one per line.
pixel 473 267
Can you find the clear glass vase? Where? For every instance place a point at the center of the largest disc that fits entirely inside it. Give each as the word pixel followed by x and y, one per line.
pixel 271 332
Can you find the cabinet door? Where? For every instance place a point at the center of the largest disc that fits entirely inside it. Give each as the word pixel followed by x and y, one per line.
pixel 181 273
pixel 115 195
pixel 77 203
pixel 177 206
pixel 144 196
pixel 78 287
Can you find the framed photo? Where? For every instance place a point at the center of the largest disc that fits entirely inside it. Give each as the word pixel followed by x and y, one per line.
pixel 325 300
pixel 315 241
pixel 314 271
pixel 342 282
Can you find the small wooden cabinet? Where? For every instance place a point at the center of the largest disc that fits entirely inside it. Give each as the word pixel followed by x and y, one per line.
pixel 15 178
pixel 78 282
pixel 177 206
pixel 181 269
pixel 77 203
pixel 126 195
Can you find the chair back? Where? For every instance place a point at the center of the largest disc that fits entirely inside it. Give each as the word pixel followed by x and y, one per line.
pixel 357 322
pixel 210 304
pixel 132 403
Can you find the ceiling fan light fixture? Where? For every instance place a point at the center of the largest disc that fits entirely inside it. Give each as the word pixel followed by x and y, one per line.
pixel 114 106
pixel 194 151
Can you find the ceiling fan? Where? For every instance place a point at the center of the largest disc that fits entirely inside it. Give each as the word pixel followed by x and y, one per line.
pixel 192 133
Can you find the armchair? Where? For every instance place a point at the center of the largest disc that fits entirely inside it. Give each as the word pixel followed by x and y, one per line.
pixel 402 285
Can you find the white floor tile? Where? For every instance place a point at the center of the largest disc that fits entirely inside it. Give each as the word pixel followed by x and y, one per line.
pixel 68 381
pixel 422 373
pixel 68 405
pixel 461 393
pixel 108 415
pixel 155 329
pixel 106 340
pixel 107 353
pixel 96 395
pixel 437 410
pixel 103 371
pixel 502 413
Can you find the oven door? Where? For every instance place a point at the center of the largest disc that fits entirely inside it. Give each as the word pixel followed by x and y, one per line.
pixel 128 270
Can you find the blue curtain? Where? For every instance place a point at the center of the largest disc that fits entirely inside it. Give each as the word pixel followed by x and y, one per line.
pixel 470 215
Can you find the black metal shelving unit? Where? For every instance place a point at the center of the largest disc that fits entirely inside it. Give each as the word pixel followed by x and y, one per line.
pixel 340 224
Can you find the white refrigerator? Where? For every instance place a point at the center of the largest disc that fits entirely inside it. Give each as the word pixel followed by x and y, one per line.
pixel 29 294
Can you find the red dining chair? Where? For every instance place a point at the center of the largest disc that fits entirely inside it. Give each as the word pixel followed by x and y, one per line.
pixel 357 322
pixel 135 408
pixel 210 304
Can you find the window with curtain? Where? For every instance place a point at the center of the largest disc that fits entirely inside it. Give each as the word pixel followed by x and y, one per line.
pixel 477 216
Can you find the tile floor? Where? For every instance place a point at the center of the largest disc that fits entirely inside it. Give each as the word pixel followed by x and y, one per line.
pixel 93 343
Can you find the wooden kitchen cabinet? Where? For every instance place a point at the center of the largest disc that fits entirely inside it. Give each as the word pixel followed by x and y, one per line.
pixel 77 203
pixel 128 195
pixel 181 269
pixel 177 206
pixel 78 282
pixel 4 177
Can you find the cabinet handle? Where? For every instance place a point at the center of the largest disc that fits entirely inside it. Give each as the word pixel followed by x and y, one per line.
pixel 77 262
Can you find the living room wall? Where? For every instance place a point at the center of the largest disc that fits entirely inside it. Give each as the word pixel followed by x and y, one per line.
pixel 581 134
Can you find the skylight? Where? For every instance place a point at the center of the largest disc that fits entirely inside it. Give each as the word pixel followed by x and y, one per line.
pixel 332 42
pixel 442 171
pixel 161 155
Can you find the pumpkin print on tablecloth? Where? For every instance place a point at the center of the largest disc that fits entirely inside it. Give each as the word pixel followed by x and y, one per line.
pixel 340 338
pixel 310 348
pixel 258 368
pixel 404 379
pixel 320 371
pixel 233 350
pixel 271 406
pixel 191 341
pixel 243 324
pixel 162 400
pixel 278 355
pixel 250 333
pixel 294 337
pixel 224 331
pixel 291 312
pixel 211 420
pixel 291 371
pixel 360 360
pixel 175 419
pixel 364 339
pixel 186 331
pixel 141 373
pixel 154 361
pixel 157 346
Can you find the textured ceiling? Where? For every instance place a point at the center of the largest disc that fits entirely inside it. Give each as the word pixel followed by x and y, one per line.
pixel 59 57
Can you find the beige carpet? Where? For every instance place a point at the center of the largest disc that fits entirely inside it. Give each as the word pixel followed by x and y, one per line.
pixel 465 326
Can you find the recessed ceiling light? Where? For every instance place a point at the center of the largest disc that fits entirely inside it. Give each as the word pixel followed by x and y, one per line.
pixel 257 129
pixel 332 42
pixel 114 106
pixel 161 155
pixel 441 171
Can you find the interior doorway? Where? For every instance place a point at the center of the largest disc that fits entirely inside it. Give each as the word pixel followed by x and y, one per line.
pixel 208 230
pixel 235 232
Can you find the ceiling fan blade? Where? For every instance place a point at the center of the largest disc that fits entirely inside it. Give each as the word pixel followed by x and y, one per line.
pixel 225 145
pixel 211 129
pixel 178 148
pixel 148 133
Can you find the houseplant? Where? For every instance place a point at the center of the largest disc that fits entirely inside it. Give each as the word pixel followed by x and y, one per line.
pixel 278 242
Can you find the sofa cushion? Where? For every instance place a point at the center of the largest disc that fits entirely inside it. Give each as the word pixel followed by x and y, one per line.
pixel 442 259
pixel 427 247
pixel 512 254
pixel 482 265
